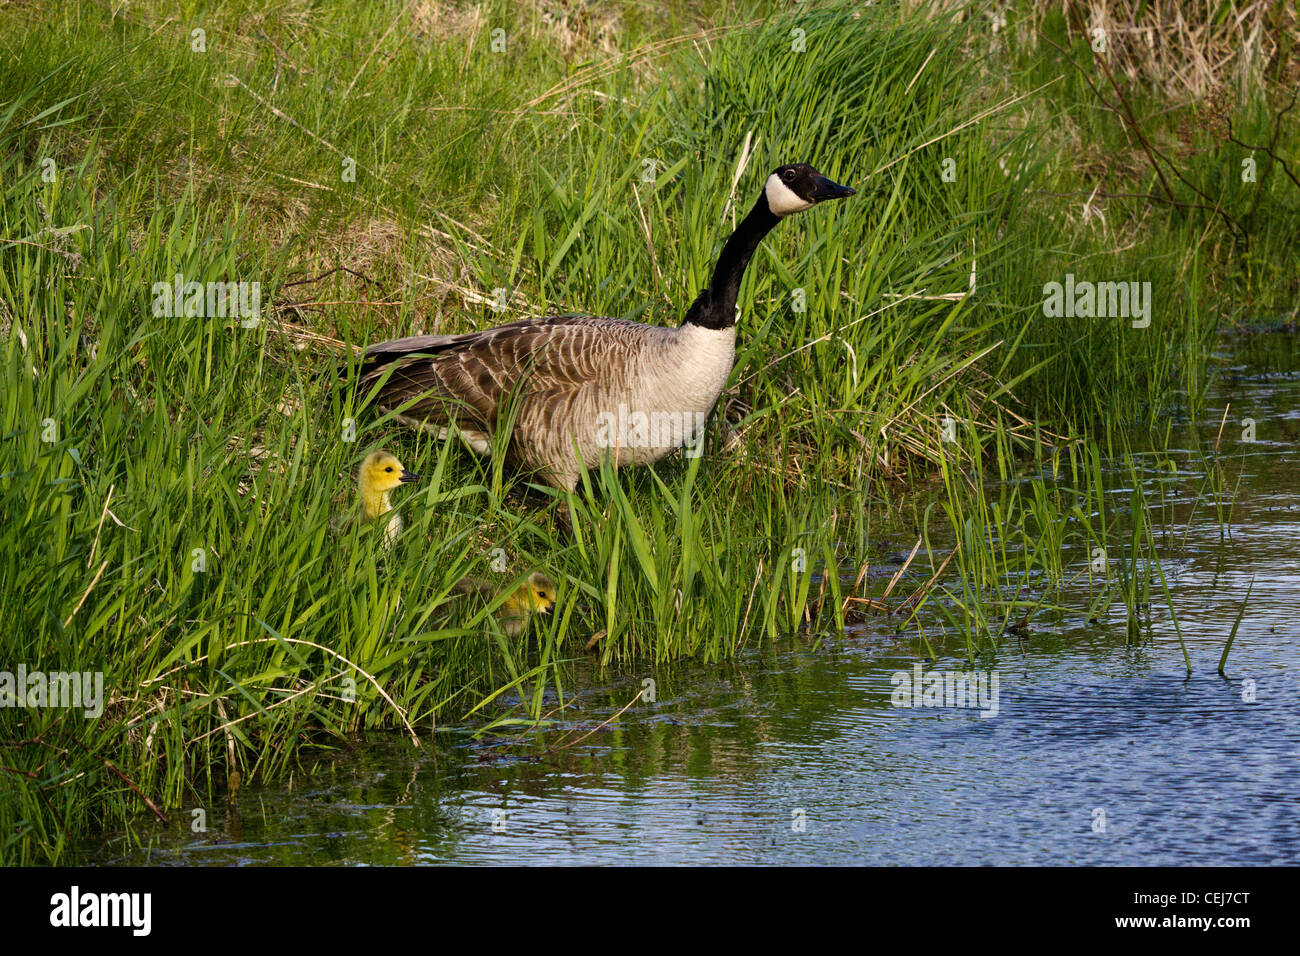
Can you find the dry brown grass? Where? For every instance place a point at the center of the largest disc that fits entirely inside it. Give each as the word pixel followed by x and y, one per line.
pixel 1184 49
pixel 1189 49
pixel 577 27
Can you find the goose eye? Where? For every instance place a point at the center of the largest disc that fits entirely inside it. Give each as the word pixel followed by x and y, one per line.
pixel 788 175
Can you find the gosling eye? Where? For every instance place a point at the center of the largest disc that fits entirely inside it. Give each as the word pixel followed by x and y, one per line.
pixel 541 594
pixel 389 468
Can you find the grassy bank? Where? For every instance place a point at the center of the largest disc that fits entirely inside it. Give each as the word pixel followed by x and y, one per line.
pixel 169 485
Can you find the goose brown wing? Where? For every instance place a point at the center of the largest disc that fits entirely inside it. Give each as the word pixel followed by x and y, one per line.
pixel 471 374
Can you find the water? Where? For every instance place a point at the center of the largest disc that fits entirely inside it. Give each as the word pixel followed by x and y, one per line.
pixel 1099 753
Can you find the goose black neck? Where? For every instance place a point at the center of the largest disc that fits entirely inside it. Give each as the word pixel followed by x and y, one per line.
pixel 716 306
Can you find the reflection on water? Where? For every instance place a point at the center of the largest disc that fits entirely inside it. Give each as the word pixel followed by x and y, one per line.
pixel 1099 753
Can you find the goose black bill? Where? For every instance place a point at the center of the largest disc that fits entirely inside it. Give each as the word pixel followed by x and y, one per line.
pixel 824 188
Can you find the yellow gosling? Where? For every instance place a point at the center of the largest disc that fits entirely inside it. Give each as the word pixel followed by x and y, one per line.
pixel 534 596
pixel 380 473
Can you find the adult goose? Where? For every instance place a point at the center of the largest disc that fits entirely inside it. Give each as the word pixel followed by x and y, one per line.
pixel 581 387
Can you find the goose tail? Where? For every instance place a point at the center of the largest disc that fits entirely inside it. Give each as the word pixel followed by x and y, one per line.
pixel 377 357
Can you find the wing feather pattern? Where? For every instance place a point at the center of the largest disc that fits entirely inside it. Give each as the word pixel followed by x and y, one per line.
pixel 559 369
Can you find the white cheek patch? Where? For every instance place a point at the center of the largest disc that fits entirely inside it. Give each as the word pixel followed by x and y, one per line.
pixel 781 199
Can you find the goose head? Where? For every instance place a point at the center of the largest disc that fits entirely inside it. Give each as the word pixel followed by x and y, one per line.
pixel 380 473
pixel 797 186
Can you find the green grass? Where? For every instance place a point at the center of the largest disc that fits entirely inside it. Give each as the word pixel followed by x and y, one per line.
pixel 1073 530
pixel 169 486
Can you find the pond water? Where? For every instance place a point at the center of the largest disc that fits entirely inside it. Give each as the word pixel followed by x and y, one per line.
pixel 1099 753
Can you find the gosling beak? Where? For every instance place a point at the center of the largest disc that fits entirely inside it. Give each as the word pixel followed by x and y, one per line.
pixel 824 188
pixel 550 606
pixel 407 476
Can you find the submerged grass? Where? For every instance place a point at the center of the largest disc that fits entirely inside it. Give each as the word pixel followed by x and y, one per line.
pixel 170 486
pixel 1094 520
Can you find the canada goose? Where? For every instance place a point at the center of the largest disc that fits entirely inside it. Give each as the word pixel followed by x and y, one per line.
pixel 582 385
pixel 534 596
pixel 379 474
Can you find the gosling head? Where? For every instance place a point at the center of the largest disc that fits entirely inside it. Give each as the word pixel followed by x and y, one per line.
pixel 797 187
pixel 380 473
pixel 539 596
pixel 534 596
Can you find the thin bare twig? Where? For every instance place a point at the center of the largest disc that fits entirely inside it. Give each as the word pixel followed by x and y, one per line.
pixel 138 792
pixel 1277 130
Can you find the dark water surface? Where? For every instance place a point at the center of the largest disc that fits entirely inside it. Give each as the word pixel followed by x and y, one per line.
pixel 1098 754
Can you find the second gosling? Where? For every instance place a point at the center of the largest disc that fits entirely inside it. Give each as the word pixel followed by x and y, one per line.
pixel 380 473
pixel 534 596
